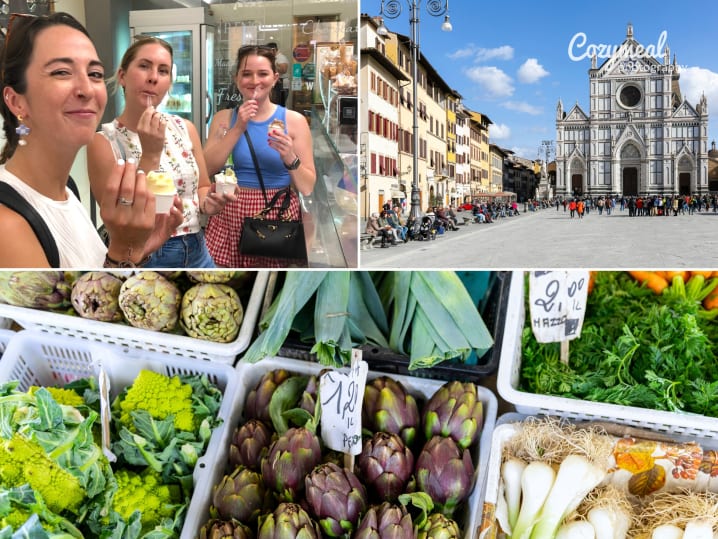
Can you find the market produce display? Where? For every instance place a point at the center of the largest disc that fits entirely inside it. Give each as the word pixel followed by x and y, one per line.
pixel 428 316
pixel 200 304
pixel 412 478
pixel 57 480
pixel 649 340
pixel 556 479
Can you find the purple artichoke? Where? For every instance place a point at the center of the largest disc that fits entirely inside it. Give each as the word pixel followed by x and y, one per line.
pixel 454 410
pixel 386 465
pixel 445 473
pixel 221 529
pixel 44 290
pixel 388 407
pixel 249 444
pixel 308 400
pixel 288 521
pixel 386 521
pixel 439 526
pixel 240 495
pixel 256 406
pixel 95 295
pixel 336 498
pixel 289 459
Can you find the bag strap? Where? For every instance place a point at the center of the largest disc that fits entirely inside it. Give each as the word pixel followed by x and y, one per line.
pixel 268 204
pixel 13 200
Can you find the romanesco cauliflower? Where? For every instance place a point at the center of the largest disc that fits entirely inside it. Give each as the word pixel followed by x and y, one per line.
pixel 146 493
pixel 23 461
pixel 161 396
pixel 67 397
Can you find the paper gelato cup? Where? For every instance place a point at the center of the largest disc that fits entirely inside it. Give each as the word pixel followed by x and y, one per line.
pixel 163 187
pixel 163 203
pixel 225 181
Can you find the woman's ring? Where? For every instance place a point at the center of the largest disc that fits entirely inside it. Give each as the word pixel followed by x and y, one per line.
pixel 125 202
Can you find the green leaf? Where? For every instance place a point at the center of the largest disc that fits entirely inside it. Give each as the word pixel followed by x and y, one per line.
pixel 284 398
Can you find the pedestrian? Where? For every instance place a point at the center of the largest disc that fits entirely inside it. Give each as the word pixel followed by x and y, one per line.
pixel 54 95
pixel 572 207
pixel 580 207
pixel 282 144
pixel 159 142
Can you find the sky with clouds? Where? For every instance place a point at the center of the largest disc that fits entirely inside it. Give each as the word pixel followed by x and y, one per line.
pixel 514 60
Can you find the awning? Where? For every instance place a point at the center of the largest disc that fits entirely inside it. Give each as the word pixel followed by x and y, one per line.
pixel 398 194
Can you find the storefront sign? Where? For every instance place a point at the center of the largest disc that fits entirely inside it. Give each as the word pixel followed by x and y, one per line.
pixel 302 52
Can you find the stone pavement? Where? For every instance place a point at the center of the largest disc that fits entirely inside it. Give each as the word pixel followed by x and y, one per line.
pixel 551 239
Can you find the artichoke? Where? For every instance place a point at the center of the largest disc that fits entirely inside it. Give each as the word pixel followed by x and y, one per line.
pixel 308 400
pixel 288 521
pixel 45 290
pixel 386 465
pixel 256 405
pixel 289 459
pixel 388 407
pixel 454 410
pixel 150 301
pixel 225 529
pixel 386 521
pixel 249 444
pixel 445 473
pixel 439 526
pixel 211 276
pixel 240 495
pixel 95 295
pixel 336 498
pixel 211 312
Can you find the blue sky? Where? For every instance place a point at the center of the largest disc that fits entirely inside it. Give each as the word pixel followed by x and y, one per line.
pixel 510 60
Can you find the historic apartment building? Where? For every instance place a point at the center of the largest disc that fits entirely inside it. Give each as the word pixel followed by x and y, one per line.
pixel 640 135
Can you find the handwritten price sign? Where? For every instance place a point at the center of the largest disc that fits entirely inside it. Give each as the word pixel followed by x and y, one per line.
pixel 341 397
pixel 557 302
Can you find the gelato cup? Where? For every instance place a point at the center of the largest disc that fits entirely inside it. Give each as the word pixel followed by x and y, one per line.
pixel 225 181
pixel 163 187
pixel 276 125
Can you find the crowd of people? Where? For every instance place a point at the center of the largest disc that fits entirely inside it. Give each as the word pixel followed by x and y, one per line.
pixel 54 94
pixel 638 206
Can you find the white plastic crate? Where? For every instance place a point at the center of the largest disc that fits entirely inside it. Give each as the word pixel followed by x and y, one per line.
pixel 5 335
pixel 144 339
pixel 250 374
pixel 508 376
pixel 38 358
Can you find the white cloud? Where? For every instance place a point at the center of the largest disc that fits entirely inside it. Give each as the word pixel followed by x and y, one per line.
pixel 499 132
pixel 531 71
pixel 522 106
pixel 696 81
pixel 466 52
pixel 505 52
pixel 494 81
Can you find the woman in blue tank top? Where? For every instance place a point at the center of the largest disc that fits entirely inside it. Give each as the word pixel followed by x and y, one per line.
pixel 282 143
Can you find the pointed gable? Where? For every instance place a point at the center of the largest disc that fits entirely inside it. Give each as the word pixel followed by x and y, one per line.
pixel 685 110
pixel 576 114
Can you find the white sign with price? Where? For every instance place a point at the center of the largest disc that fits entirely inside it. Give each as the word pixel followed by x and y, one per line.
pixel 557 301
pixel 341 396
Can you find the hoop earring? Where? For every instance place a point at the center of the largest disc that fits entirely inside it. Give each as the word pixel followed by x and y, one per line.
pixel 22 131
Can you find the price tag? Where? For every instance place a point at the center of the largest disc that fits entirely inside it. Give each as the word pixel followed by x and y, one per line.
pixel 341 396
pixel 557 301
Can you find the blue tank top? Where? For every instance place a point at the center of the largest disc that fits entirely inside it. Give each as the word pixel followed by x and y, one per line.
pixel 274 173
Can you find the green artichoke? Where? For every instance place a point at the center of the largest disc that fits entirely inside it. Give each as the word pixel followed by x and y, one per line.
pixel 388 407
pixel 45 290
pixel 454 410
pixel 225 529
pixel 249 444
pixel 150 301
pixel 386 465
pixel 240 495
pixel 439 526
pixel 288 521
pixel 95 295
pixel 212 312
pixel 336 498
pixel 445 473
pixel 308 400
pixel 386 521
pixel 256 405
pixel 211 276
pixel 289 459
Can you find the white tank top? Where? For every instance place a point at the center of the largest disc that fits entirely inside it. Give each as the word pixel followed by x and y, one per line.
pixel 77 240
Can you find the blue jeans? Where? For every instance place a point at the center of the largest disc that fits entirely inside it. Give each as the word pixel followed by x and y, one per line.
pixel 186 251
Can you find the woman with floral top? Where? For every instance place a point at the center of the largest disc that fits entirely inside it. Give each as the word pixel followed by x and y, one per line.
pixel 159 142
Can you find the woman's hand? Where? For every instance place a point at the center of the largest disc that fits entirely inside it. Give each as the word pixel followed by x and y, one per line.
pixel 127 209
pixel 214 202
pixel 165 225
pixel 284 144
pixel 246 111
pixel 151 129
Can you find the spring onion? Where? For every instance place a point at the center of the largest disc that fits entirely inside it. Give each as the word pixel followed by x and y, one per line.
pixel 536 482
pixel 511 471
pixel 576 529
pixel 667 531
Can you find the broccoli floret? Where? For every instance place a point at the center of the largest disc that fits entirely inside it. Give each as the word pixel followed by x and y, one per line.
pixel 23 461
pixel 161 396
pixel 145 492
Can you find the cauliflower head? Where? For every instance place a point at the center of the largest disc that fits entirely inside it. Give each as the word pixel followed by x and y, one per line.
pixel 145 492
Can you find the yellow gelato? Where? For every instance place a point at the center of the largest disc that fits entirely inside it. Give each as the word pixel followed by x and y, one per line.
pixel 161 183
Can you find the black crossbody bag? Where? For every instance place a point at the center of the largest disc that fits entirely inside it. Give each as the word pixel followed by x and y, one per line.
pixel 273 238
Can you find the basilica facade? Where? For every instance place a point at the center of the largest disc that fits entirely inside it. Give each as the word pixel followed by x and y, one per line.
pixel 640 135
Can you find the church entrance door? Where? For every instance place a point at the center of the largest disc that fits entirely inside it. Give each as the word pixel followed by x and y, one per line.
pixel 684 183
pixel 630 182
pixel 577 184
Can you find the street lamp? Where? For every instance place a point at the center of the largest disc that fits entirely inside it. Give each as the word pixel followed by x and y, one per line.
pixel 392 9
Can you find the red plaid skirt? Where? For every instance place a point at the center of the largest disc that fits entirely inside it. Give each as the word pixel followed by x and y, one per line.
pixel 225 229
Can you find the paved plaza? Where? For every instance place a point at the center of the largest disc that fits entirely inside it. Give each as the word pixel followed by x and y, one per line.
pixel 551 239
